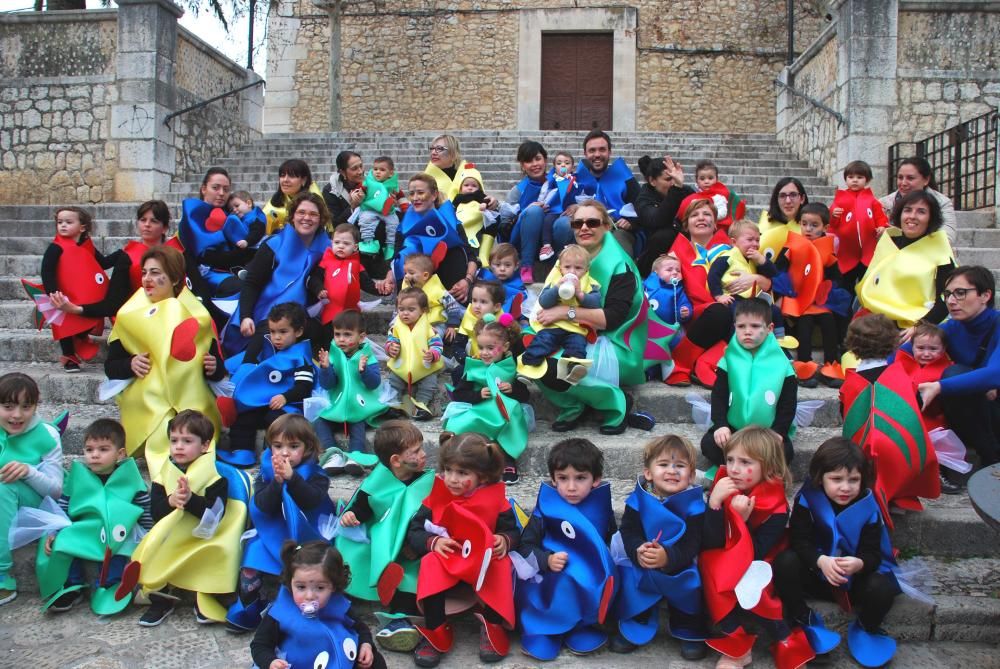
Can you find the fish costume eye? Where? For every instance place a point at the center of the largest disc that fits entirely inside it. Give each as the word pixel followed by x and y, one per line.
pixel 466 548
pixel 431 231
pixel 99 279
pixel 274 376
pixel 350 649
pixel 322 660
pixel 568 529
pixel 119 532
pixel 654 304
pixel 104 536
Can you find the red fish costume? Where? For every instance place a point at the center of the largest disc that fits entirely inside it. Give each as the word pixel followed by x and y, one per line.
pixel 855 228
pixel 80 276
pixel 135 250
pixel 807 261
pixel 933 413
pixel 736 208
pixel 342 282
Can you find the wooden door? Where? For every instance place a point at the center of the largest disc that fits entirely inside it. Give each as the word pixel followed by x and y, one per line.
pixel 576 81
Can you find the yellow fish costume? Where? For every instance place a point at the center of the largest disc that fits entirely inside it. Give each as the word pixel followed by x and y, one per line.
pixel 177 333
pixel 410 365
pixel 434 290
pixel 467 328
pixel 278 216
pixel 773 235
pixel 586 285
pixel 900 282
pixel 739 265
pixel 447 186
pixel 172 554
pixel 472 219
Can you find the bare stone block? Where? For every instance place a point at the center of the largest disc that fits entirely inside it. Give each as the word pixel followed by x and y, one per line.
pixel 9 160
pixel 78 92
pixel 39 135
pixel 969 91
pixel 41 104
pixel 933 91
pixel 59 133
pixel 60 104
pixel 32 118
pixel 45 161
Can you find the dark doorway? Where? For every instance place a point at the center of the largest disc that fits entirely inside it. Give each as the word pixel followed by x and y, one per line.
pixel 576 81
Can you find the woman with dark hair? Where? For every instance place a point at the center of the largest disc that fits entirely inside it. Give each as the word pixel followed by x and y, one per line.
pixel 294 177
pixel 344 194
pixel 532 215
pixel 657 205
pixel 910 266
pixel 782 215
pixel 915 174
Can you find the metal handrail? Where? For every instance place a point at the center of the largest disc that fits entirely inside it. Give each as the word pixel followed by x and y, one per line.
pixel 814 102
pixel 166 121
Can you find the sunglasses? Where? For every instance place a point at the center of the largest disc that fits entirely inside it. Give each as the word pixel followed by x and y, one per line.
pixel 592 223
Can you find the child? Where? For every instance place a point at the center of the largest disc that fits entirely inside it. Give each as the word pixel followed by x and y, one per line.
pixel 468 502
pixel 414 351
pixel 745 522
pixel 487 397
pixel 874 399
pixel 504 262
pixel 72 266
pixel 661 538
pixel 479 221
pixel 569 277
pixel 486 297
pixel 665 291
pixel 729 205
pixel 755 384
pixel 924 361
pixel 290 502
pixel 855 569
pixel 381 187
pixel 108 504
pixel 200 510
pixel 569 596
pixel 275 376
pixel 30 463
pixel 385 568
pixel 444 311
pixel 312 619
pixel 339 278
pixel 350 375
pixel 246 225
pixel 856 219
pixel 557 194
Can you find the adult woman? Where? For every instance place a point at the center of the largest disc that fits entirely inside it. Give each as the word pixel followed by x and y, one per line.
pixel 656 206
pixel 711 324
pixel 294 177
pixel 279 270
pixel 915 174
pixel 634 336
pixel 444 165
pixel 205 245
pixel 782 215
pixel 911 263
pixel 344 194
pixel 527 232
pixel 162 346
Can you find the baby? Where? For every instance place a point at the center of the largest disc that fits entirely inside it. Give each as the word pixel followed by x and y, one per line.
pixel 249 224
pixel 559 192
pixel 665 290
pixel 379 206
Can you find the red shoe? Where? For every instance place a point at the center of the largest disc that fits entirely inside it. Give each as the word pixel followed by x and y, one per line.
pixel 441 637
pixel 793 652
pixel 493 641
pixel 737 644
pixel 805 370
pixel 684 355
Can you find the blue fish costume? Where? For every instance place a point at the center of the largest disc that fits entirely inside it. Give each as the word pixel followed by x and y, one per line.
pixel 292 263
pixel 236 228
pixel 564 607
pixel 200 229
pixel 567 190
pixel 838 534
pixel 641 590
pixel 433 232
pixel 667 299
pixel 274 374
pixel 609 188
pixel 326 640
pixel 514 291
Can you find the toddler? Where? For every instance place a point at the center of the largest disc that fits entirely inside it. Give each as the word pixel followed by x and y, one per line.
pixel 339 278
pixel 486 297
pixel 856 219
pixel 381 187
pixel 559 192
pixel 729 205
pixel 664 289
pixel 30 463
pixel 444 311
pixel 479 221
pixel 246 225
pixel 415 352
pixel 504 261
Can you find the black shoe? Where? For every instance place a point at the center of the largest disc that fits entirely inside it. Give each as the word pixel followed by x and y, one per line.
pixel 566 425
pixel 71 364
pixel 510 476
pixel 393 414
pixel 352 468
pixel 621 645
pixel 201 618
pixel 949 487
pixel 65 602
pixel 693 650
pixel 159 608
pixel 640 420
pixel 615 429
pixel 809 383
pixel 422 415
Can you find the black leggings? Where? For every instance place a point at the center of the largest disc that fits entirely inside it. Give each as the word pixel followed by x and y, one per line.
pixel 434 615
pixel 804 326
pixel 714 454
pixel 714 325
pixel 975 419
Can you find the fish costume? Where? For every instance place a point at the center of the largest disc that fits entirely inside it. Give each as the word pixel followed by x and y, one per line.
pixel 433 232
pixel 932 413
pixel 774 234
pixel 563 191
pixel 728 204
pixel 200 229
pixel 435 292
pixel 807 261
pixel 342 283
pixel 479 228
pixel 856 227
pixel 755 382
pixel 409 365
pixel 609 187
pixel 664 521
pixel 667 299
pixel 514 291
pixel 176 333
pixel 380 196
pixel 278 216
pixel 350 400
pixel 564 607
pixel 447 186
pixel 236 228
pixel 104 526
pixel 135 249
pixel 254 384
pixel 326 640
pixel 501 418
pixel 695 260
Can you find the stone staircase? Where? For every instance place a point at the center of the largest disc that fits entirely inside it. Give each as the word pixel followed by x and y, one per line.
pixel 961 553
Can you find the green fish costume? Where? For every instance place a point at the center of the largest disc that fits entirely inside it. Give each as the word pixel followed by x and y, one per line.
pixel 755 382
pixel 501 417
pixel 351 401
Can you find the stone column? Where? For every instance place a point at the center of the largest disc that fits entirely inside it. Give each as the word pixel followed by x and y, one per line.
pixel 147 45
pixel 867 35
pixel 333 9
pixel 283 56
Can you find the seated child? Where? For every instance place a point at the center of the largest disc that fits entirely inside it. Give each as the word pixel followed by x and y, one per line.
pixel 275 376
pixel 468 563
pixel 661 538
pixel 31 466
pixel 568 284
pixel 381 187
pixel 755 385
pixel 856 569
pixel 856 220
pixel 905 464
pixel 665 290
pixel 557 194
pixel 339 278
pixel 290 501
pixel 575 572
pixel 350 375
pixel 104 491
pixel 745 522
pixel 444 311
pixel 486 297
pixel 199 512
pixel 312 618
pixel 383 566
pixel 729 205
pixel 479 221
pixel 415 352
pixel 246 225
pixel 487 396
pixel 504 262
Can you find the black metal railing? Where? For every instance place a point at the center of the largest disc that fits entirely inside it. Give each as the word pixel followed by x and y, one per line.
pixel 205 103
pixel 964 160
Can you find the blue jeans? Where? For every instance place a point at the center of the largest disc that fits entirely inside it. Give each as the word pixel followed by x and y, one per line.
pixel 327 430
pixel 530 231
pixel 550 340
pixel 116 565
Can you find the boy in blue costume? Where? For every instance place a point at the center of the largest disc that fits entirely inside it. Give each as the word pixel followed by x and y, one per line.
pixel 565 544
pixel 504 262
pixel 661 538
pixel 246 224
pixel 664 289
pixel 275 376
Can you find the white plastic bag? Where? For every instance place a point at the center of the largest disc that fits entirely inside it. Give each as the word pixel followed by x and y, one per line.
pixel 950 450
pixel 805 411
pixel 701 410
pixel 30 523
pixel 210 521
pixel 605 367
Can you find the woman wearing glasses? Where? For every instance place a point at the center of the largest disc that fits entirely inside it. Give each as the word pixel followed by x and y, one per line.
pixel 628 332
pixel 782 215
pixel 910 266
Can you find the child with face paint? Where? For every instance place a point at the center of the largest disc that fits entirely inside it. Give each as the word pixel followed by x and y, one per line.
pixel 312 622
pixel 486 297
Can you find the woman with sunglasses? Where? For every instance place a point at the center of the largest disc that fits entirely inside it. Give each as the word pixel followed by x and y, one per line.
pixel 628 331
pixel 782 215
pixel 910 267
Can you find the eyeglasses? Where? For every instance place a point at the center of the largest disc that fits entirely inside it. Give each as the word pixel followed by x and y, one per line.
pixel 307 215
pixel 789 196
pixel 592 223
pixel 437 148
pixel 958 293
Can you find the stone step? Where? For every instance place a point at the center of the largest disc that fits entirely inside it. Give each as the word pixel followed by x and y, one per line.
pixel 36 245
pixel 980 218
pixel 981 238
pixel 30 227
pixel 988 257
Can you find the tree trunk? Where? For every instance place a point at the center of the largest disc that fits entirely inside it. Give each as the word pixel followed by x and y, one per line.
pixel 56 5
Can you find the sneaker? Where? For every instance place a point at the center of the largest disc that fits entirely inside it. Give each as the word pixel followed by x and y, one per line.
pixel 527 276
pixel 576 374
pixel 371 247
pixel 510 476
pixel 693 650
pixel 8 589
pixel 398 635
pixel 422 415
pixel 426 655
pixel 201 618
pixel 949 487
pixel 487 651
pixel 545 252
pixel 621 645
pixel 66 601
pixel 352 468
pixel 70 363
pixel 159 609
